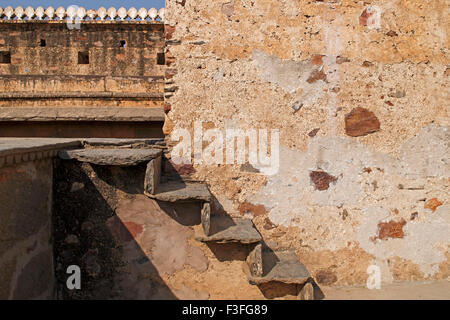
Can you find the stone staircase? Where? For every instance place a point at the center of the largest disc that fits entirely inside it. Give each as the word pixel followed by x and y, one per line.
pixel 263 265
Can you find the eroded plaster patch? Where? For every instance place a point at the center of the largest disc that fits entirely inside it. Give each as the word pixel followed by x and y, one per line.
pixel 374 187
pixel 420 244
pixel 294 77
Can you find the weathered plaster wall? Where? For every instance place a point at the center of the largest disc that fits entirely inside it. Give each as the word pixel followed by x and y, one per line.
pixel 26 251
pixel 359 91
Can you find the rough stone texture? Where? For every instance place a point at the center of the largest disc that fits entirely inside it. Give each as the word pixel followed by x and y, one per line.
pixel 280 266
pixel 391 229
pixel 225 229
pixel 180 191
pixel 111 157
pixel 255 210
pixel 51 75
pixel 129 246
pixel 306 292
pixel 321 180
pixel 432 204
pixel 251 70
pixel 26 257
pixel 361 122
pixel 205 216
pixel 80 114
pixel 152 175
pixel 325 277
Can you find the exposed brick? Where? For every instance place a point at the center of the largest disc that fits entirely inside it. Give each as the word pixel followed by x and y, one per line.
pixel 321 180
pixel 360 122
pixel 391 229
pixel 432 204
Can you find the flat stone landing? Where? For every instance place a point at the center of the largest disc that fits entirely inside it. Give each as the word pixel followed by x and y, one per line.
pixel 181 191
pixel 226 229
pixel 280 266
pixel 111 157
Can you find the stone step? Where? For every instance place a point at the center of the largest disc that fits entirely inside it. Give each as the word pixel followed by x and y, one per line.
pixel 111 156
pixel 152 176
pixel 224 229
pixel 266 265
pixel 174 191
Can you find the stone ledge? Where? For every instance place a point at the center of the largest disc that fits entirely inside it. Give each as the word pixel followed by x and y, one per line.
pixel 225 229
pixel 111 157
pixel 103 94
pixel 179 191
pixel 81 114
pixel 266 265
pixel 18 150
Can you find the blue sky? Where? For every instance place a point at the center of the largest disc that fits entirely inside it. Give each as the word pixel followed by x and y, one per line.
pixel 90 4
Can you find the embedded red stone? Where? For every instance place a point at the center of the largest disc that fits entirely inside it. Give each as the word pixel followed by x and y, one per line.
pixel 432 204
pixel 321 180
pixel 391 229
pixel 256 210
pixel 360 122
pixel 317 75
pixel 364 17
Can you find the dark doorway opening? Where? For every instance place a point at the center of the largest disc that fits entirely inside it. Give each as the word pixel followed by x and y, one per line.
pixel 5 57
pixel 83 57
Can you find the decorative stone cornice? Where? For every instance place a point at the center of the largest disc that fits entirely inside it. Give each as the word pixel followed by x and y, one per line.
pixel 81 14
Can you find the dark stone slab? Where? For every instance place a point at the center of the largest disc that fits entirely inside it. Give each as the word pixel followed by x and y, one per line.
pixel 152 176
pixel 280 266
pixel 224 229
pixel 111 157
pixel 206 218
pixel 181 191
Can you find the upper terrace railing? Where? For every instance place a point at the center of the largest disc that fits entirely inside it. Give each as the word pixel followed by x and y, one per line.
pixel 80 13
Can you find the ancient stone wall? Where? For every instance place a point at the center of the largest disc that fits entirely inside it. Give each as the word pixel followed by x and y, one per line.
pixel 26 201
pixel 99 64
pixel 359 92
pixel 77 73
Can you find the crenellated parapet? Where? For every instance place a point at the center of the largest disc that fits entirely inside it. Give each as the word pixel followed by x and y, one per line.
pixel 80 13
